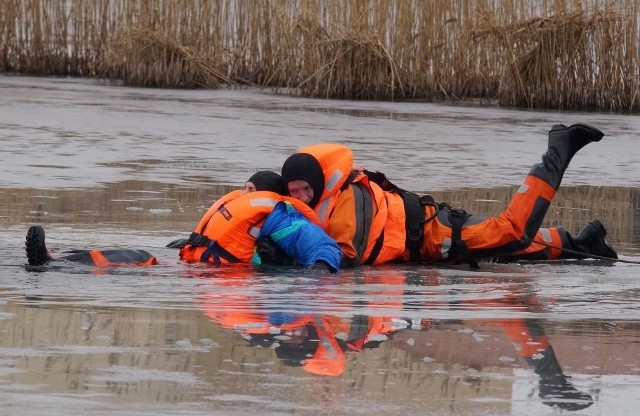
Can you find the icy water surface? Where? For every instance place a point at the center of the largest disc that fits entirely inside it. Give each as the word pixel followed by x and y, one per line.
pixel 109 167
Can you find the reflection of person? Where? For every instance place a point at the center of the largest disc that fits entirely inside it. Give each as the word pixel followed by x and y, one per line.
pixel 555 388
pixel 319 343
pixel 375 222
pixel 316 343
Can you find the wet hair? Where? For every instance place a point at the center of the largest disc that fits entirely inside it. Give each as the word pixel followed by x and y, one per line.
pixel 265 180
pixel 303 166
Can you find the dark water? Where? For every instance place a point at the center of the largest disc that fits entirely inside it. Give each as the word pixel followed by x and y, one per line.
pixel 107 167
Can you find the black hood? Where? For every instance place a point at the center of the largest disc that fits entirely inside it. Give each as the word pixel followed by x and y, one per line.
pixel 303 166
pixel 265 180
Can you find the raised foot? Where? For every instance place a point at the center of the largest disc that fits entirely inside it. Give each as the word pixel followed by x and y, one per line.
pixel 581 132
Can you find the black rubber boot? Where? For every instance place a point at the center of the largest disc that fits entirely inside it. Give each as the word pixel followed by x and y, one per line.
pixel 559 392
pixel 555 389
pixel 564 143
pixel 591 240
pixel 35 247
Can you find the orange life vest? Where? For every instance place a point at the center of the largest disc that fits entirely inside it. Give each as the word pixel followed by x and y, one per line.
pixel 228 230
pixel 213 208
pixel 336 162
pixel 367 222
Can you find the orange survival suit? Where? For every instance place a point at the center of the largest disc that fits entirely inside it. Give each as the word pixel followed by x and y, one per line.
pixel 375 222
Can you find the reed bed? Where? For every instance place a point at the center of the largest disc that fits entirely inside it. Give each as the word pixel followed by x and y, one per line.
pixel 561 54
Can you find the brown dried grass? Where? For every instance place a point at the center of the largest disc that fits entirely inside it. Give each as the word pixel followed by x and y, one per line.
pixel 150 58
pixel 529 53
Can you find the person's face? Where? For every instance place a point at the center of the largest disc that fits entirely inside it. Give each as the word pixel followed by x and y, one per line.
pixel 248 188
pixel 301 190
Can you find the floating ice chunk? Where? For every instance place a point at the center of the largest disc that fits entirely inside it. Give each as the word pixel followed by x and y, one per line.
pixel 184 344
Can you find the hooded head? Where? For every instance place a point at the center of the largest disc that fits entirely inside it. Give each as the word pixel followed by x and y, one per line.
pixel 303 166
pixel 294 353
pixel 317 353
pixel 265 180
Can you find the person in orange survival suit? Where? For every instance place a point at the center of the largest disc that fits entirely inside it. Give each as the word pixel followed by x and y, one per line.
pixel 230 233
pixel 263 180
pixel 375 222
pixel 37 253
pixel 232 227
pixel 227 233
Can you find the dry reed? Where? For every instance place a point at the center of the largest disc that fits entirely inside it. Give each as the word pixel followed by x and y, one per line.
pixel 528 53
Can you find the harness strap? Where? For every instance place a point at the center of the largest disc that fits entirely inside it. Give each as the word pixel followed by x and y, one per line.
pixel 214 250
pixel 414 215
pixel 459 249
pixel 414 212
pixel 349 180
pixel 382 181
pixel 364 218
pixel 375 250
pixel 415 221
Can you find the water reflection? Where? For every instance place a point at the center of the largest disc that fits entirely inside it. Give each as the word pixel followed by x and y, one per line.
pixel 104 167
pixel 378 339
pixel 287 320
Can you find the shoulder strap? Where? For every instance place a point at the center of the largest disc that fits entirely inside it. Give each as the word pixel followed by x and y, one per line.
pixel 363 217
pixel 214 250
pixel 350 178
pixel 381 180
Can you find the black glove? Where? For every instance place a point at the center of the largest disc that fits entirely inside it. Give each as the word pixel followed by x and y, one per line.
pixel 270 253
pixel 320 267
pixel 179 243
